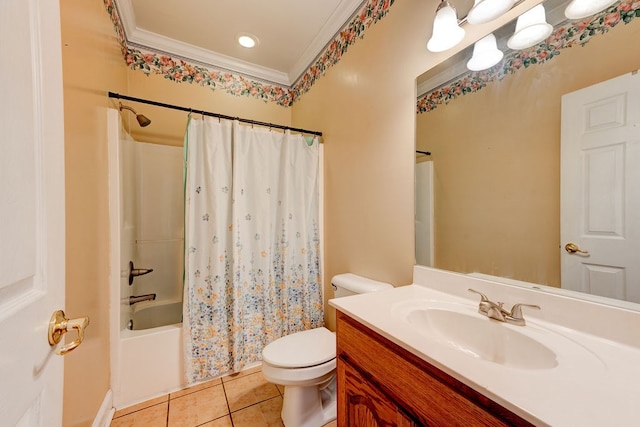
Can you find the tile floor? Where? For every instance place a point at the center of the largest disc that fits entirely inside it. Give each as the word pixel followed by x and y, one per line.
pixel 245 399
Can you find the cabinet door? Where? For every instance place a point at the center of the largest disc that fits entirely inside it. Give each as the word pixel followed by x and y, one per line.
pixel 400 379
pixel 362 404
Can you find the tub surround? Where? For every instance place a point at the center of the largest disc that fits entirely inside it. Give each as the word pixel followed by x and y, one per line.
pixel 148 361
pixel 589 381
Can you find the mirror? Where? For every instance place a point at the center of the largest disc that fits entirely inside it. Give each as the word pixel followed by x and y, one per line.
pixel 495 152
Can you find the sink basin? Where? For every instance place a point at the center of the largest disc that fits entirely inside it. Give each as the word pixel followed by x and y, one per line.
pixel 482 338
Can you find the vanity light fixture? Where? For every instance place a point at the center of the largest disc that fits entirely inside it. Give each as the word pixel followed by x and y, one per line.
pixel 247 40
pixel 579 9
pixel 446 29
pixel 487 10
pixel 531 29
pixel 485 54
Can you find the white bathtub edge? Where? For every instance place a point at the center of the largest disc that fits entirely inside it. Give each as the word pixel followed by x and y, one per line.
pixel 126 334
pixel 105 413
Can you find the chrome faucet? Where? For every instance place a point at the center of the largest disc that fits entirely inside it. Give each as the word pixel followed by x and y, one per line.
pixel 134 299
pixel 495 310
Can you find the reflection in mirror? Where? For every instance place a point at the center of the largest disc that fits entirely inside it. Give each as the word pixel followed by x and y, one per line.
pixel 495 142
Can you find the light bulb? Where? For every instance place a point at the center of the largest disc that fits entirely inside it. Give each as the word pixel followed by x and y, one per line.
pixel 579 9
pixel 487 10
pixel 446 31
pixel 485 54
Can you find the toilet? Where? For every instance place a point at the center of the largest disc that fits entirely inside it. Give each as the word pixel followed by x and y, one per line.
pixel 305 363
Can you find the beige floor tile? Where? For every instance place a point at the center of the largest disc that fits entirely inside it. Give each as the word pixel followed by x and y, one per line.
pixel 248 390
pixel 134 408
pixel 333 423
pixel 155 416
pixel 264 414
pixel 195 388
pixel 198 408
pixel 280 389
pixel 220 422
pixel 242 374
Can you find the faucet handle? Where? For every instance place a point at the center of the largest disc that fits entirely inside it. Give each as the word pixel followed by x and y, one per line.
pixel 515 317
pixel 485 305
pixel 516 310
pixel 483 297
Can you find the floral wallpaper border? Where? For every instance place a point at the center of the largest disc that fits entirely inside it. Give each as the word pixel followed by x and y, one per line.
pixel 568 35
pixel 181 71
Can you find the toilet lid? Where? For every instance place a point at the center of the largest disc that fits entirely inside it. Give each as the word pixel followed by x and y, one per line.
pixel 301 349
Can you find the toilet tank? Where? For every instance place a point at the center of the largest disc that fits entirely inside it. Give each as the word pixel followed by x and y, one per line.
pixel 352 284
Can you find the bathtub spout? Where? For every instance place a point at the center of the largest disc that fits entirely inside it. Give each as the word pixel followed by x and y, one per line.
pixel 139 298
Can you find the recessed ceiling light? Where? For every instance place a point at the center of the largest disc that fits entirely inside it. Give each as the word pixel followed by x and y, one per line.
pixel 247 40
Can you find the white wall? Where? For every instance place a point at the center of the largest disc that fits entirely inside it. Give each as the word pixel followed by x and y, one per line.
pixel 151 221
pixel 128 218
pixel 424 213
pixel 160 220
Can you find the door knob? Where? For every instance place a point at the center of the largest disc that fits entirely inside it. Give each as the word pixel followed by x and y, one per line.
pixel 60 325
pixel 572 248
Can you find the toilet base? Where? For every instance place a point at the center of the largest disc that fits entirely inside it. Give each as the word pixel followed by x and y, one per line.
pixel 309 406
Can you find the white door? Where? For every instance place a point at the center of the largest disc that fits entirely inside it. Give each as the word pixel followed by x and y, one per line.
pixel 600 189
pixel 31 211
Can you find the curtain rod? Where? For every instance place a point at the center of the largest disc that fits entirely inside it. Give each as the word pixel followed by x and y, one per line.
pixel 207 113
pixel 426 153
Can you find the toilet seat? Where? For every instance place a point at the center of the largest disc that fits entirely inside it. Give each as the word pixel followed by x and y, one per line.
pixel 312 375
pixel 301 349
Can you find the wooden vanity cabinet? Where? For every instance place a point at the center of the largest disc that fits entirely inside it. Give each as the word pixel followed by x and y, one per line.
pixel 382 384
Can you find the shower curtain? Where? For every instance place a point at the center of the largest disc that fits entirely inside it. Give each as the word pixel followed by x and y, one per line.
pixel 252 262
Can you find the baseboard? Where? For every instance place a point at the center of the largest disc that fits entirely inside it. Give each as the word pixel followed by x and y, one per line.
pixel 105 413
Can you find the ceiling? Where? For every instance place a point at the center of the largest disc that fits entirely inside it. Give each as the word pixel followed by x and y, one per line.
pixel 291 33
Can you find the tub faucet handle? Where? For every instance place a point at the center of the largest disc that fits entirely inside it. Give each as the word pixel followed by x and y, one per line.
pixel 135 272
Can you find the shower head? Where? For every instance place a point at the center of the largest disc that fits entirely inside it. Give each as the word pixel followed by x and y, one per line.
pixel 142 119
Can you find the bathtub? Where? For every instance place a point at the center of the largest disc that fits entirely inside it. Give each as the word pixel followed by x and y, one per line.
pixel 150 364
pixel 151 314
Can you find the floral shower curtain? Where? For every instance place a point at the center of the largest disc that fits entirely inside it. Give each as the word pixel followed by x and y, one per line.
pixel 252 262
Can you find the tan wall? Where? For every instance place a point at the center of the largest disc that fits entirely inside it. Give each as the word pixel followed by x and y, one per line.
pixel 496 157
pixel 92 64
pixel 168 126
pixel 365 106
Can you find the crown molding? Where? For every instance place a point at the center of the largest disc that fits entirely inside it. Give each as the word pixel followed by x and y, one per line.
pixel 336 22
pixel 148 40
pixel 144 39
pixel 126 15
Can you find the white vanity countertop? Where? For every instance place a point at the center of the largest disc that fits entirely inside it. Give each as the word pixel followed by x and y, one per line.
pixel 596 381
